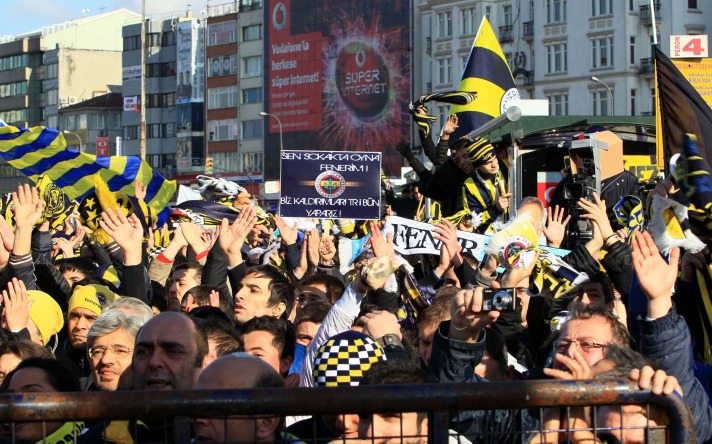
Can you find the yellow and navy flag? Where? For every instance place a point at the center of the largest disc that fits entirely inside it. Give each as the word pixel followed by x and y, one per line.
pixel 42 151
pixel 487 75
pixel 629 213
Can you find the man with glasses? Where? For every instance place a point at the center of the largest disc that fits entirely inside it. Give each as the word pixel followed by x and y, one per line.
pixel 589 329
pixel 110 345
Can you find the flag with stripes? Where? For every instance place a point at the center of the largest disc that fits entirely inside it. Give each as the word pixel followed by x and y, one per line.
pixel 42 151
pixel 487 75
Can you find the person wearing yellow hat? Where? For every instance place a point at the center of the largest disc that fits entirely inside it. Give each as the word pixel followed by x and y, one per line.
pixel 45 317
pixel 485 195
pixel 85 305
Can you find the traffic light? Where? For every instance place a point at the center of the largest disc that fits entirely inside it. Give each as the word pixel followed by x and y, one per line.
pixel 208 165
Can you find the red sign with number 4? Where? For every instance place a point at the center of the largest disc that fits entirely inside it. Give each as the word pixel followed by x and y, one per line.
pixel 688 46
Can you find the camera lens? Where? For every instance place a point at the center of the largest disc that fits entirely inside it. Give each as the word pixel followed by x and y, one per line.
pixel 501 300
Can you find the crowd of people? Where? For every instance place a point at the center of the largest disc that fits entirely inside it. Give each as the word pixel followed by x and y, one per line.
pixel 102 299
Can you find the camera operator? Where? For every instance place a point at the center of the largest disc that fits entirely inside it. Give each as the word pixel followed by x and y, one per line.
pixel 616 182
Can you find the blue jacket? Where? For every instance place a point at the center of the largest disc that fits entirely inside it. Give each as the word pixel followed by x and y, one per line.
pixel 667 341
pixel 455 361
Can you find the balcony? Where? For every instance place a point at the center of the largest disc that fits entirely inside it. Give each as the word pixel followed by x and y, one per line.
pixel 528 30
pixel 646 15
pixel 505 34
pixel 647 67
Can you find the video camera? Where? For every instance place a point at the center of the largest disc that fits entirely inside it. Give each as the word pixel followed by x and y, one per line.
pixel 585 180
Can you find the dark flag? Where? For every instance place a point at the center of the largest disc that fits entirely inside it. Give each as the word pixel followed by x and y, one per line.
pixel 681 110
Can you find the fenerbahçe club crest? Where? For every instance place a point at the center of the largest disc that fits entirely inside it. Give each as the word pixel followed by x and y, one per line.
pixel 330 184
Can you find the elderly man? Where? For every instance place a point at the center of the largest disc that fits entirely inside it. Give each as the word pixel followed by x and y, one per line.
pixel 169 353
pixel 110 345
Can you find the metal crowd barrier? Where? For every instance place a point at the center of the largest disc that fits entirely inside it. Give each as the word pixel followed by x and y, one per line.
pixel 438 400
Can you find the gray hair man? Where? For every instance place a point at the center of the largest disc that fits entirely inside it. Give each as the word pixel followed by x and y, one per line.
pixel 110 345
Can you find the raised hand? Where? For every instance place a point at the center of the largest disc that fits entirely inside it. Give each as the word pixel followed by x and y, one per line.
pixel 450 125
pixel 232 237
pixel 17 306
pixel 656 276
pixel 596 212
pixel 127 232
pixel 382 246
pixel 327 250
pixel 140 190
pixel 65 246
pixel 312 241
pixel 519 276
pixel 288 234
pixel 446 232
pixel 555 229
pixel 28 206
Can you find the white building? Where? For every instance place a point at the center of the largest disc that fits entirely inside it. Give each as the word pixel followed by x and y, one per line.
pixel 555 47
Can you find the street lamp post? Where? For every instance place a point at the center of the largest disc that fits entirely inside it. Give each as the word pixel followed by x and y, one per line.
pixel 610 93
pixel 81 150
pixel 279 122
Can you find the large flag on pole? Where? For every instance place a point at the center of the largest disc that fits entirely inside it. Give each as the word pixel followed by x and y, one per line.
pixel 41 151
pixel 487 75
pixel 680 110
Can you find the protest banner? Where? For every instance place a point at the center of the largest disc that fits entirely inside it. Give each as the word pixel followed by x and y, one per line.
pixel 411 237
pixel 330 184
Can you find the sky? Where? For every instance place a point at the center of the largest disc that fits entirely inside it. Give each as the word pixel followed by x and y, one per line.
pixel 20 16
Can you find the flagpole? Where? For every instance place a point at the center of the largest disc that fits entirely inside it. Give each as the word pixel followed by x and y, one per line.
pixel 142 136
pixel 655 28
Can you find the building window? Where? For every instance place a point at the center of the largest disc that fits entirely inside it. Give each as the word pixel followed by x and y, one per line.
pixel 602 52
pixel 631 5
pixel 131 132
pixel 252 32
pixel 557 59
pixel 169 130
pixel 633 102
pixel 601 106
pixel 153 131
pixel 165 69
pixel 227 161
pixel 691 4
pixel 488 13
pixel 444 66
pixel 222 130
pixel 632 50
pixel 252 95
pixel 601 7
pixel 14 116
pixel 251 162
pixel 468 21
pixel 52 97
pixel 51 71
pixel 97 121
pixel 252 66
pixel 558 104
pixel 13 62
pixel 252 129
pixel 223 65
pixel 222 33
pixel 555 11
pixel 153 39
pixel 168 38
pixel 507 14
pixel 70 122
pixel 444 25
pixel 225 97
pixel 14 89
pixel 132 43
